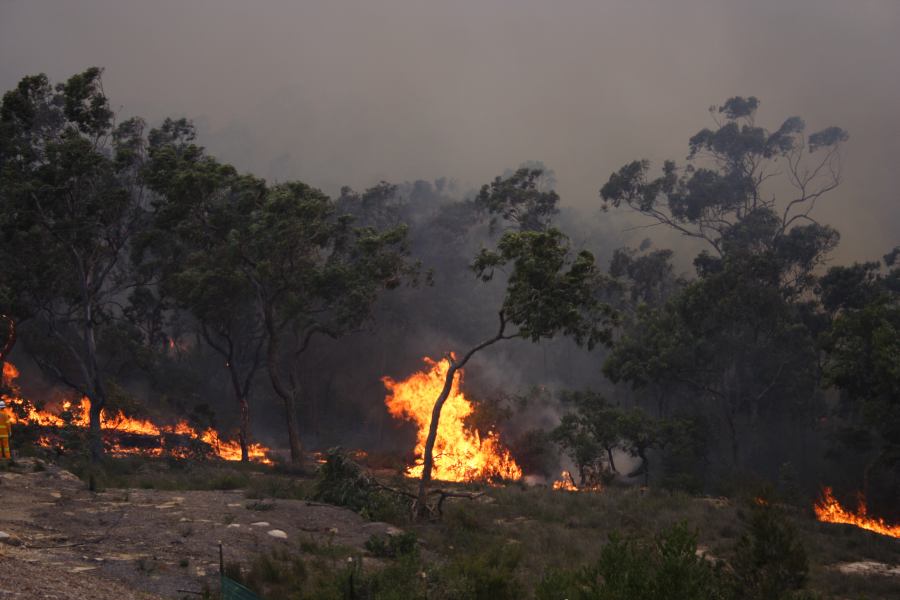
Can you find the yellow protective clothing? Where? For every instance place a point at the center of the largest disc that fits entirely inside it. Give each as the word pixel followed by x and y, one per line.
pixel 4 435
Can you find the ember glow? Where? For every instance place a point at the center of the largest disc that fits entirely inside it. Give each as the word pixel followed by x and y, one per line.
pixel 459 453
pixel 78 415
pixel 829 510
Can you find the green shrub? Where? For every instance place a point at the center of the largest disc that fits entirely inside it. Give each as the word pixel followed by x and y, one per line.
pixel 667 569
pixel 486 575
pixel 342 482
pixel 392 546
pixel 770 562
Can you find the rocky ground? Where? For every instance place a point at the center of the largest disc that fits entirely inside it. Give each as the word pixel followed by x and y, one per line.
pixel 59 540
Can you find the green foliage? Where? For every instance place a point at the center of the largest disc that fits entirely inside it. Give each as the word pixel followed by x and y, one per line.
pixel 488 574
pixel 863 354
pixel 738 344
pixel 647 278
pixel 262 268
pixel 589 435
pixel 548 290
pixel 730 343
pixel 770 562
pixel 70 204
pixel 595 429
pixel 669 568
pixel 342 482
pixel 520 200
pixel 393 545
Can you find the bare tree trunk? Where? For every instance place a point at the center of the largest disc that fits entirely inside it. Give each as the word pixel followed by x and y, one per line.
pixel 428 458
pixel 243 405
pixel 287 399
pixel 287 396
pixel 95 435
pixel 612 463
pixel 97 397
pixel 455 365
pixel 290 415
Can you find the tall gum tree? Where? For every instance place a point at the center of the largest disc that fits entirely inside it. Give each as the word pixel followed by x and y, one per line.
pixel 187 255
pixel 313 273
pixel 742 337
pixel 71 200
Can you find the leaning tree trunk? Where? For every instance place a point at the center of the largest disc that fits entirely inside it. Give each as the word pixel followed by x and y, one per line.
pixel 428 457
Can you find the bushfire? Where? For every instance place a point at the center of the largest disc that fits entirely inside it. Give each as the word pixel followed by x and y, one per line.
pixel 565 482
pixel 460 454
pixel 149 435
pixel 829 510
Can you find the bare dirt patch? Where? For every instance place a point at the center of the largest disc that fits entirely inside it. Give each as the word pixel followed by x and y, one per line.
pixel 61 536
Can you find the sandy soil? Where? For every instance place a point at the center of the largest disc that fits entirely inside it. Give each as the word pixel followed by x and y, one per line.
pixel 65 542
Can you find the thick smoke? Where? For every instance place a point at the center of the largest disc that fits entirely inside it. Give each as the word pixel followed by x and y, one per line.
pixel 348 93
pixel 351 93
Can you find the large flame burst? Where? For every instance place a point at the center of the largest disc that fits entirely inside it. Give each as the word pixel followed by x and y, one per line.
pixel 460 454
pixel 829 510
pixel 118 423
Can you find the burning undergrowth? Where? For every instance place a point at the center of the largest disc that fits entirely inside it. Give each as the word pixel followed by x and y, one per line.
pixel 460 453
pixel 829 510
pixel 123 435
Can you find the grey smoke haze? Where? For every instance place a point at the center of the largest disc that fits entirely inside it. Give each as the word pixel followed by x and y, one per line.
pixel 352 92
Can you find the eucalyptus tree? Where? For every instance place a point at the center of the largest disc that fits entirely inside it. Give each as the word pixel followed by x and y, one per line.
pixel 188 256
pixel 71 200
pixel 589 433
pixel 862 347
pixel 740 341
pixel 726 182
pixel 313 273
pixel 263 269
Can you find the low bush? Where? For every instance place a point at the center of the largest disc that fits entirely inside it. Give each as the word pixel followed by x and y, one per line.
pixel 392 546
pixel 342 482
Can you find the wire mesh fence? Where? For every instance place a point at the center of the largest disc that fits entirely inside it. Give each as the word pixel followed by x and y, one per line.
pixel 232 590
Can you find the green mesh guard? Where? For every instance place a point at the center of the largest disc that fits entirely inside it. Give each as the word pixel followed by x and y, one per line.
pixel 232 590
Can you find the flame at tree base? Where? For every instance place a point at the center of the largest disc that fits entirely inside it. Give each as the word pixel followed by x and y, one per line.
pixel 459 453
pixel 829 510
pixel 566 483
pixel 148 438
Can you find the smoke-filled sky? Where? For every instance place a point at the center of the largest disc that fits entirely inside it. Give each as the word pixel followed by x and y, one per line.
pixel 336 92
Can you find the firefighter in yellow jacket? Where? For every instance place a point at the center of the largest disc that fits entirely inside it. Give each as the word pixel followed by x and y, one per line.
pixel 4 432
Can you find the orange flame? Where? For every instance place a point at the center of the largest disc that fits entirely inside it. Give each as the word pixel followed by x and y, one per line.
pixel 829 510
pixel 566 483
pixel 118 422
pixel 459 453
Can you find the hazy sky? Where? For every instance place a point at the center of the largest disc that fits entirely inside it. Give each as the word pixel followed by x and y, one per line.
pixel 336 92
